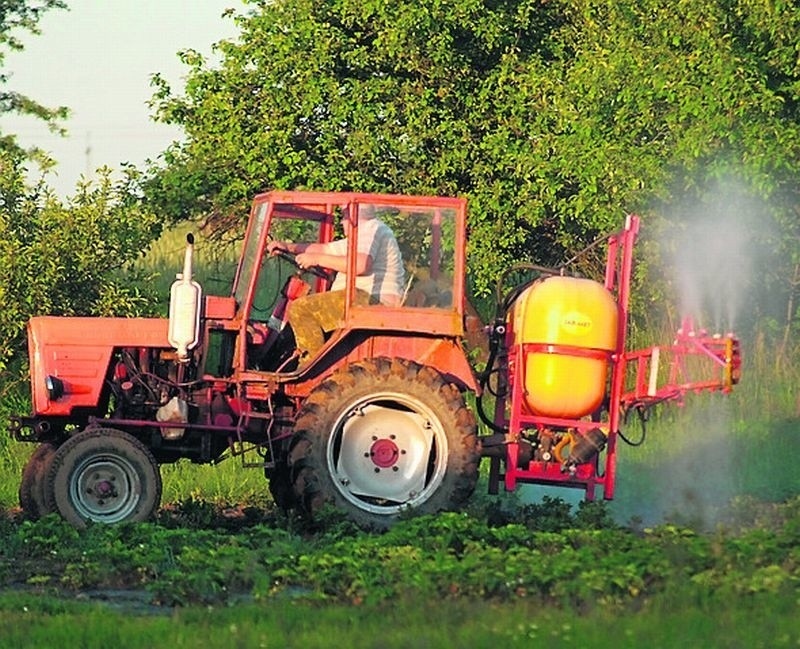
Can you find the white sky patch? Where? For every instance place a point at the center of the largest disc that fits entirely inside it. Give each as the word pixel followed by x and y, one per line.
pixel 97 59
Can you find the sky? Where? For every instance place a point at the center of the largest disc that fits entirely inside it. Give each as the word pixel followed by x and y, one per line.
pixel 97 58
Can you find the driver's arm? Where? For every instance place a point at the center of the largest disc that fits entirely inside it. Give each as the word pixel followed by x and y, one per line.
pixel 288 246
pixel 314 256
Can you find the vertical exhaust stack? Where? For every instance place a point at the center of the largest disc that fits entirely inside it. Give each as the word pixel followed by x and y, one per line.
pixel 184 307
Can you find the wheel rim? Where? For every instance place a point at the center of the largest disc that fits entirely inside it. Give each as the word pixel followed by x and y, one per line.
pixel 105 489
pixel 387 452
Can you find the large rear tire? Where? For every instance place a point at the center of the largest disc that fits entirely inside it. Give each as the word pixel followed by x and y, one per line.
pixel 103 476
pixel 31 488
pixel 280 486
pixel 384 436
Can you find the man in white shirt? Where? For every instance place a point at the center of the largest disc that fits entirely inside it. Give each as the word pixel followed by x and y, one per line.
pixel 379 277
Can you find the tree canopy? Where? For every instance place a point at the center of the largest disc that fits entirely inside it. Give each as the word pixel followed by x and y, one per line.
pixel 18 16
pixel 554 117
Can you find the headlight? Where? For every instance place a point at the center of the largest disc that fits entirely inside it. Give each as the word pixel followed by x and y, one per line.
pixel 55 387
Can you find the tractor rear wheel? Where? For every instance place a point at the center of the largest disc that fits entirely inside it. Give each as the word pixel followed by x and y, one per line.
pixel 104 476
pixel 280 486
pixel 31 488
pixel 384 436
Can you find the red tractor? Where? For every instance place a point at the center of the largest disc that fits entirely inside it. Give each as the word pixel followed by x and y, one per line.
pixel 376 421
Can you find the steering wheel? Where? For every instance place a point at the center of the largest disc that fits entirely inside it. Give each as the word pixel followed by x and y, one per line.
pixel 292 259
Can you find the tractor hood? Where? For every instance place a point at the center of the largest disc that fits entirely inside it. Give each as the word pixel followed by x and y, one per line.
pixel 70 356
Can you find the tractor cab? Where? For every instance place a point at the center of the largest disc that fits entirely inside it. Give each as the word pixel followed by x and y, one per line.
pixel 430 235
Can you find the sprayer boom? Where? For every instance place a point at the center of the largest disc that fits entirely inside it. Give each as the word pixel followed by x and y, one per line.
pixel 565 382
pixel 695 362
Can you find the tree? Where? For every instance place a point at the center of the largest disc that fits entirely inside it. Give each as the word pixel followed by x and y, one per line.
pixel 54 258
pixel 76 259
pixel 16 16
pixel 554 117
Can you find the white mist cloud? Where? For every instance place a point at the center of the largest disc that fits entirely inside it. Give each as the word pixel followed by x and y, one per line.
pixel 714 256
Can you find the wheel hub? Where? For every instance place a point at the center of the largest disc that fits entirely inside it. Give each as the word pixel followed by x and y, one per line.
pixel 103 489
pixel 383 456
pixel 384 453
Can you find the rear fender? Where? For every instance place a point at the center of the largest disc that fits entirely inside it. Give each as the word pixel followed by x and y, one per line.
pixel 446 355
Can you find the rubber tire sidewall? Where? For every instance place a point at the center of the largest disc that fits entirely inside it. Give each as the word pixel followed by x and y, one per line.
pixel 31 487
pixel 99 442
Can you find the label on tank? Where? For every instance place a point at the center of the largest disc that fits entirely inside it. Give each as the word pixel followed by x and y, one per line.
pixel 576 323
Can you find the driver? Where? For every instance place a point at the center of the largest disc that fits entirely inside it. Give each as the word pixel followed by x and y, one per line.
pixel 379 270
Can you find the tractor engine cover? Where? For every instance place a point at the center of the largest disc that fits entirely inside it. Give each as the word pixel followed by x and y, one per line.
pixel 564 329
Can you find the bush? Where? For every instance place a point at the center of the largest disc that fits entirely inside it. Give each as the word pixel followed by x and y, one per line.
pixel 73 259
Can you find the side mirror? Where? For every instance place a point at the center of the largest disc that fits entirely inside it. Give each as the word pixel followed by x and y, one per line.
pixel 184 307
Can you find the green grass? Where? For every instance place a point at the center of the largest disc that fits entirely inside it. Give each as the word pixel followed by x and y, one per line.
pixel 214 260
pixel 227 482
pixel 662 624
pixel 438 581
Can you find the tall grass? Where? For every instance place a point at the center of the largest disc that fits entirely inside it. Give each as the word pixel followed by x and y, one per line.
pixel 26 621
pixel 14 400
pixel 215 260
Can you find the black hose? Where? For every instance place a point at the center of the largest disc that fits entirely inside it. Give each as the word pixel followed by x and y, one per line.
pixel 483 380
pixel 643 412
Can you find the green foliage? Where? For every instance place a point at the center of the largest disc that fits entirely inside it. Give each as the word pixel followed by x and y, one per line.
pixel 447 556
pixel 553 118
pixel 17 16
pixel 68 260
pixel 454 578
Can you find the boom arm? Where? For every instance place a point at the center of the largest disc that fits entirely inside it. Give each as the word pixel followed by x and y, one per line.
pixel 695 362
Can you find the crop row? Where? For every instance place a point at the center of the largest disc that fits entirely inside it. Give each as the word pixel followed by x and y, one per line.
pixel 581 560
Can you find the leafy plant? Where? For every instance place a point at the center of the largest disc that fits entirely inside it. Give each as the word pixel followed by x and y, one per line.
pixel 68 260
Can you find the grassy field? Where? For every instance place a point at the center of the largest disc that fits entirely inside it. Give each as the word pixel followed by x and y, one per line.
pixel 541 576
pixel 662 624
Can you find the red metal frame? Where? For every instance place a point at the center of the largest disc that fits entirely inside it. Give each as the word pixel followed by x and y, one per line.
pixel 585 476
pixel 697 362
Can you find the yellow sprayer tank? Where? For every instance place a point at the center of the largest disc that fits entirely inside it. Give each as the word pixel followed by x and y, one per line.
pixel 571 315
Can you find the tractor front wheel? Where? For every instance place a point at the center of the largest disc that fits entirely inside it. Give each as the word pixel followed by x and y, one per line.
pixel 103 476
pixel 383 436
pixel 31 488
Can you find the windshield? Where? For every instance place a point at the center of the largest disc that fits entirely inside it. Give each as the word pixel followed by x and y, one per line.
pixel 250 251
pixel 268 274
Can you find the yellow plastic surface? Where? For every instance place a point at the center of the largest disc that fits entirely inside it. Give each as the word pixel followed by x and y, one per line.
pixel 571 312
